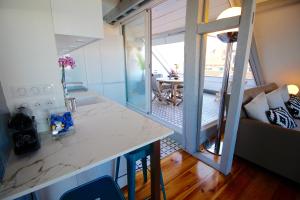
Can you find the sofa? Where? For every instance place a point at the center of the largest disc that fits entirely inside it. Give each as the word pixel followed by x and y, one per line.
pixel 272 147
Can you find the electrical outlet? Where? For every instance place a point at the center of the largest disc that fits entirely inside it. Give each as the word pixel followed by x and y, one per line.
pixel 49 103
pixel 32 90
pixel 20 92
pixel 48 89
pixel 37 105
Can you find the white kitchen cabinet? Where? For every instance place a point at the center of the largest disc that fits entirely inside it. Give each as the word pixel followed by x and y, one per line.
pixel 76 23
pixel 113 69
pixel 93 63
pixel 78 18
pixel 101 67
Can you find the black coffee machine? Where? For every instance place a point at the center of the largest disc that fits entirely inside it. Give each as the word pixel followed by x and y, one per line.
pixel 25 136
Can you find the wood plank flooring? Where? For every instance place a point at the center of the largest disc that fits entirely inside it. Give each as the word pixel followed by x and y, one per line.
pixel 186 177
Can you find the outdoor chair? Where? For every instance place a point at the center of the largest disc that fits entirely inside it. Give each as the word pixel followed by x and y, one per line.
pixel 179 93
pixel 163 86
pixel 161 94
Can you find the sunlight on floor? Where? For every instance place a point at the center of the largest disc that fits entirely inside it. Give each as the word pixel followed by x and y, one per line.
pixel 174 114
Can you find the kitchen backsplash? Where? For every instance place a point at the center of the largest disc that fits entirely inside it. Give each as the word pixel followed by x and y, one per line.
pixel 39 98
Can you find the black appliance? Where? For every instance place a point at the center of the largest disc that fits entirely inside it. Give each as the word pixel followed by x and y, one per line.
pixel 24 132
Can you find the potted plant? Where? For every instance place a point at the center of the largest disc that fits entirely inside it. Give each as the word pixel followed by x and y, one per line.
pixel 141 62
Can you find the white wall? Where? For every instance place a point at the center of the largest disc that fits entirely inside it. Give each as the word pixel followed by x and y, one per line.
pixel 277 34
pixel 28 55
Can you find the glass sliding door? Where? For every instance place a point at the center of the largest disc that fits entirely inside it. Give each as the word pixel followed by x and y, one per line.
pixel 137 48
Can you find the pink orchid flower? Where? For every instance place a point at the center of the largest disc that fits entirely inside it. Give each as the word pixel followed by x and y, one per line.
pixel 66 62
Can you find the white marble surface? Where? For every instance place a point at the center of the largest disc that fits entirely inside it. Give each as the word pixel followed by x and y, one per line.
pixel 104 131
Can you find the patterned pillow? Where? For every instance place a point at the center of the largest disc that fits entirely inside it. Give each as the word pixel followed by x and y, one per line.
pixel 293 105
pixel 281 117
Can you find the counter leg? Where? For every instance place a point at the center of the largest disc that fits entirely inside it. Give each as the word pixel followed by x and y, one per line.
pixel 155 170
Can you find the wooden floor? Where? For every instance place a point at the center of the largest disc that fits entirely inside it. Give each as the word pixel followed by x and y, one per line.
pixel 187 178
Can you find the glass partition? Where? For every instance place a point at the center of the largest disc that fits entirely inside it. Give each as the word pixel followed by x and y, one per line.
pixel 136 62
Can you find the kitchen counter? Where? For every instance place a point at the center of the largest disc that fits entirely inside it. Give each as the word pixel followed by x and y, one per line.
pixel 104 131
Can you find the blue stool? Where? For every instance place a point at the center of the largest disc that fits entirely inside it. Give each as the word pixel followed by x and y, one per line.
pixel 131 158
pixel 103 188
pixel 31 196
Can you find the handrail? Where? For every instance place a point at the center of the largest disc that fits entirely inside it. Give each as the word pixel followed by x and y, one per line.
pixel 160 62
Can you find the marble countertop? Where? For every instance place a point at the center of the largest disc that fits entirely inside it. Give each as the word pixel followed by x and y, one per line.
pixel 104 131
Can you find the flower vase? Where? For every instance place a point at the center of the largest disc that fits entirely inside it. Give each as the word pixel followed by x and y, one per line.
pixel 63 82
pixel 64 62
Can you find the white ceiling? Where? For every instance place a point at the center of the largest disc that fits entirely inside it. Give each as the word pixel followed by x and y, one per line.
pixel 169 16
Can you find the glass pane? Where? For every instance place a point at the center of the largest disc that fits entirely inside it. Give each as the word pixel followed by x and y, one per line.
pixel 249 79
pixel 134 33
pixel 168 57
pixel 215 62
pixel 213 78
pixel 219 70
pixel 214 66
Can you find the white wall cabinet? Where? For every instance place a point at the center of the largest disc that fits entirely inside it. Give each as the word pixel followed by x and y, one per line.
pixel 78 18
pixel 76 23
pixel 102 65
pixel 113 62
pixel 93 63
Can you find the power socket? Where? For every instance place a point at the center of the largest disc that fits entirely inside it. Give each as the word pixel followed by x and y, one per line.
pixel 35 90
pixel 36 105
pixel 49 103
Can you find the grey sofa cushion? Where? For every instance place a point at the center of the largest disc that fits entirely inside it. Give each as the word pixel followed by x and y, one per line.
pixel 298 125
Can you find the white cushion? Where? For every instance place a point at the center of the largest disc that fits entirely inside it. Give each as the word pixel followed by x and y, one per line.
pixel 256 109
pixel 275 100
pixel 285 93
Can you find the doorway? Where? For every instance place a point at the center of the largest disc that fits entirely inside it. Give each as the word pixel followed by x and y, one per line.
pixel 167 84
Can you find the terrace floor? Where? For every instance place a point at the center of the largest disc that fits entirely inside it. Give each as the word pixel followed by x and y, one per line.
pixel 174 114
